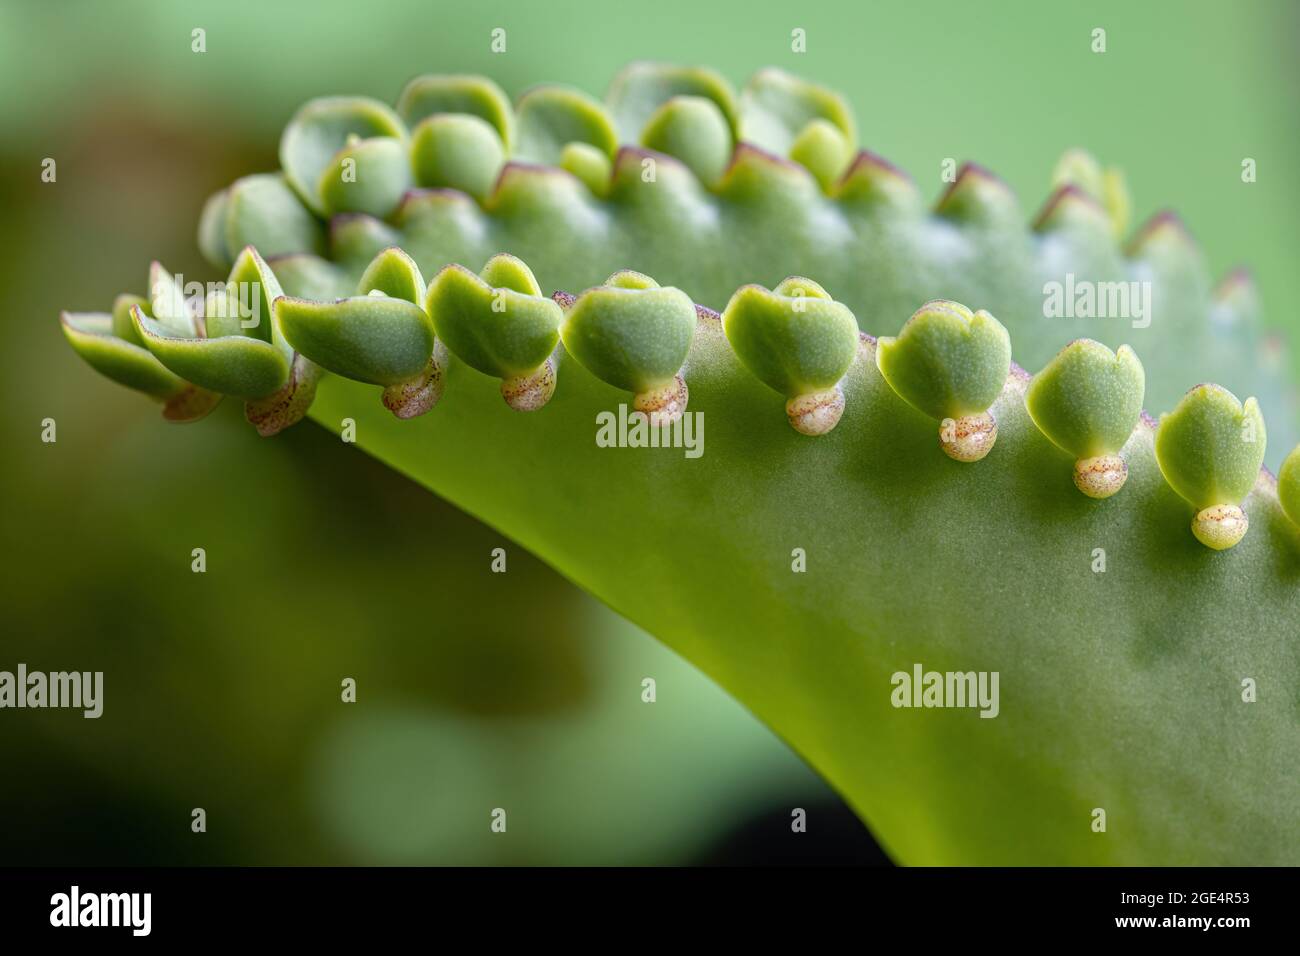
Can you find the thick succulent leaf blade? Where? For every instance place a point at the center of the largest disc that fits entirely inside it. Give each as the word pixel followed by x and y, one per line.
pixel 1156 645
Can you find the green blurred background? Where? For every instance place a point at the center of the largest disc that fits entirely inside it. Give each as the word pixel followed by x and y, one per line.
pixel 476 690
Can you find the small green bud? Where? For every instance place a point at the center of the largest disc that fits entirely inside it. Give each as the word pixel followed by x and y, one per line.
pixel 312 141
pixel 499 323
pixel 237 350
pixel 1210 449
pixel 382 338
pixel 478 96
pixel 693 129
pixel 776 108
pixel 798 341
pixel 369 176
pixel 950 364
pixel 1288 486
pixel 824 150
pixel 588 164
pixel 457 152
pixel 1087 401
pixel 634 335
pixel 550 117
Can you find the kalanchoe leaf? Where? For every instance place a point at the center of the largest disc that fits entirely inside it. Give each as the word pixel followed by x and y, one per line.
pixel 640 89
pixel 1088 398
pixel 368 176
pixel 1211 446
pixel 694 130
pixel 588 164
pixel 261 211
pixel 323 127
pixel 1288 486
pixel 550 117
pixel 776 108
pixel 824 149
pixel 947 362
pixel 631 332
pixel 427 96
pixel 457 152
pixel 498 323
pixel 381 336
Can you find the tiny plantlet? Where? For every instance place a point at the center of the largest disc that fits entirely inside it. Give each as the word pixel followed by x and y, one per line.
pixel 501 275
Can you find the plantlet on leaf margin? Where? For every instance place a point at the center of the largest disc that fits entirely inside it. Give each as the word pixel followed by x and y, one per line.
pixel 110 344
pixel 1087 401
pixel 211 343
pixel 382 335
pixel 800 342
pixel 950 364
pixel 1210 449
pixel 635 335
pixel 499 323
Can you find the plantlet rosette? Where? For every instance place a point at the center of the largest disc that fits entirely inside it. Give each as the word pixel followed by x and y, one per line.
pixel 1121 642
